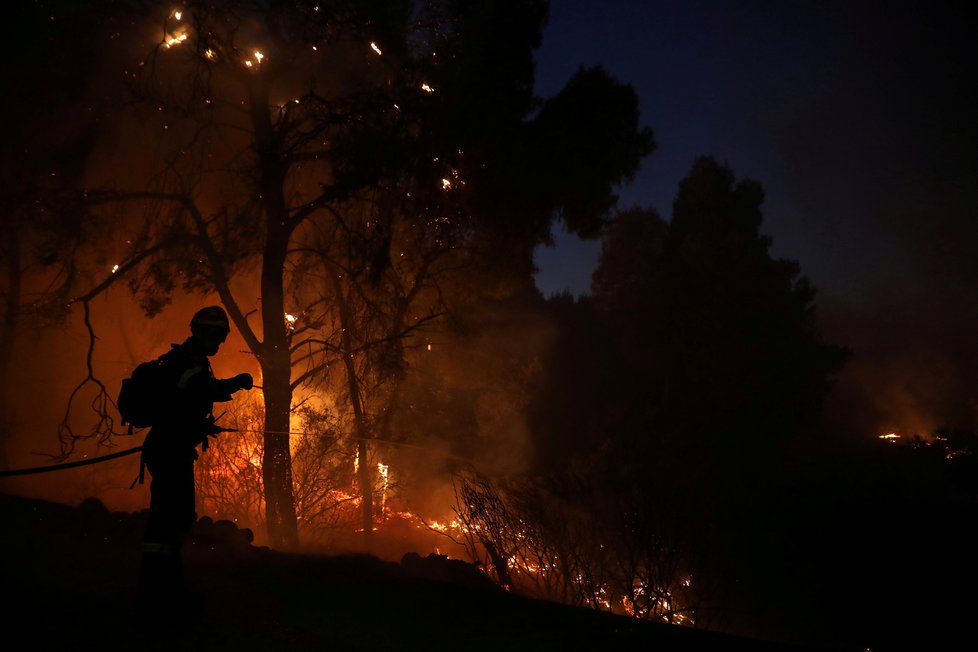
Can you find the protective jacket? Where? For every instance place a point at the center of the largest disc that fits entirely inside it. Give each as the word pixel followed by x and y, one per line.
pixel 187 419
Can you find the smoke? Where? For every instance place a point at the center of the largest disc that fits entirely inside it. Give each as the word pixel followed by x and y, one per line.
pixel 912 370
pixel 50 362
pixel 461 406
pixel 909 393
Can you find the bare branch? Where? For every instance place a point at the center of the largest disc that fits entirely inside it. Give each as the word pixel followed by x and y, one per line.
pixel 103 428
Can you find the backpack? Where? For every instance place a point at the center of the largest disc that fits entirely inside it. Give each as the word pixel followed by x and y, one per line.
pixel 143 395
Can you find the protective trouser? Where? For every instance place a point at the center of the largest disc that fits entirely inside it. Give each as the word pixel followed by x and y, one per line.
pixel 160 572
pixel 171 516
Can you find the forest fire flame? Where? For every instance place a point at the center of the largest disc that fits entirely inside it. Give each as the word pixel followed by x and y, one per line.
pixel 176 40
pixel 527 568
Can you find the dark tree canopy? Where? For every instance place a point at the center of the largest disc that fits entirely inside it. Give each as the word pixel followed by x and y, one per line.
pixel 674 389
pixel 697 355
pixel 725 333
pixel 592 139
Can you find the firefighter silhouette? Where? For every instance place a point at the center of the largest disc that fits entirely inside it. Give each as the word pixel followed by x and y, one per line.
pixel 169 453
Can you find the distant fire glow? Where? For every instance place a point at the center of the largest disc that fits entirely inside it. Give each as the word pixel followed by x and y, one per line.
pixel 890 437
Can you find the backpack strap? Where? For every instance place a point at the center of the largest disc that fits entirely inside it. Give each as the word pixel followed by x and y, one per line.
pixel 142 469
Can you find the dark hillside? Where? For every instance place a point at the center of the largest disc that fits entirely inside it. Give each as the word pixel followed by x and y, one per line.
pixel 68 575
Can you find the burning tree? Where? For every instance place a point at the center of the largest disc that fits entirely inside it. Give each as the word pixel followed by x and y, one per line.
pixel 229 476
pixel 336 158
pixel 269 146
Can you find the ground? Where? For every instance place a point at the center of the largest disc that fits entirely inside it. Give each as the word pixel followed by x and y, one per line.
pixel 69 577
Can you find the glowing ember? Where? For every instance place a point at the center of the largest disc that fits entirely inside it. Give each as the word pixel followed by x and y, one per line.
pixel 259 56
pixel 446 184
pixel 890 437
pixel 375 48
pixel 426 88
pixel 175 40
pixel 210 54
pixel 178 14
pixel 115 268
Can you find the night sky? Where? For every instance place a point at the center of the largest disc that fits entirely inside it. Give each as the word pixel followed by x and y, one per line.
pixel 859 120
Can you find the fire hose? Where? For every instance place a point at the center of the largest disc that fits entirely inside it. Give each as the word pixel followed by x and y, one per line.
pixel 68 465
pixel 137 449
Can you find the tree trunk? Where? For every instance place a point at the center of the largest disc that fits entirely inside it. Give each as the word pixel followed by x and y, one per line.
pixel 276 366
pixel 275 358
pixel 277 464
pixel 364 479
pixel 364 475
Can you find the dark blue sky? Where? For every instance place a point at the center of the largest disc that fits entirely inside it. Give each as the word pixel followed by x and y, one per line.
pixel 858 119
pixel 831 108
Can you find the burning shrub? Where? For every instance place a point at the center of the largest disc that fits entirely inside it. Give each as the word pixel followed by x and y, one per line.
pixel 230 473
pixel 562 540
pixel 229 476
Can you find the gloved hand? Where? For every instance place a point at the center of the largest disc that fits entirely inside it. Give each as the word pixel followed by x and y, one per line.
pixel 244 381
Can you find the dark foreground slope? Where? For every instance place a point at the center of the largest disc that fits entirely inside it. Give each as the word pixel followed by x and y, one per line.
pixel 68 574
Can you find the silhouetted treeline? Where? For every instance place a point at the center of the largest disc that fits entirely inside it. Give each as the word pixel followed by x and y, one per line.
pixel 695 362
pixel 680 458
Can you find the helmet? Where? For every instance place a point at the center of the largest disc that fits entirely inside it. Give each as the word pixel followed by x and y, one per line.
pixel 211 317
